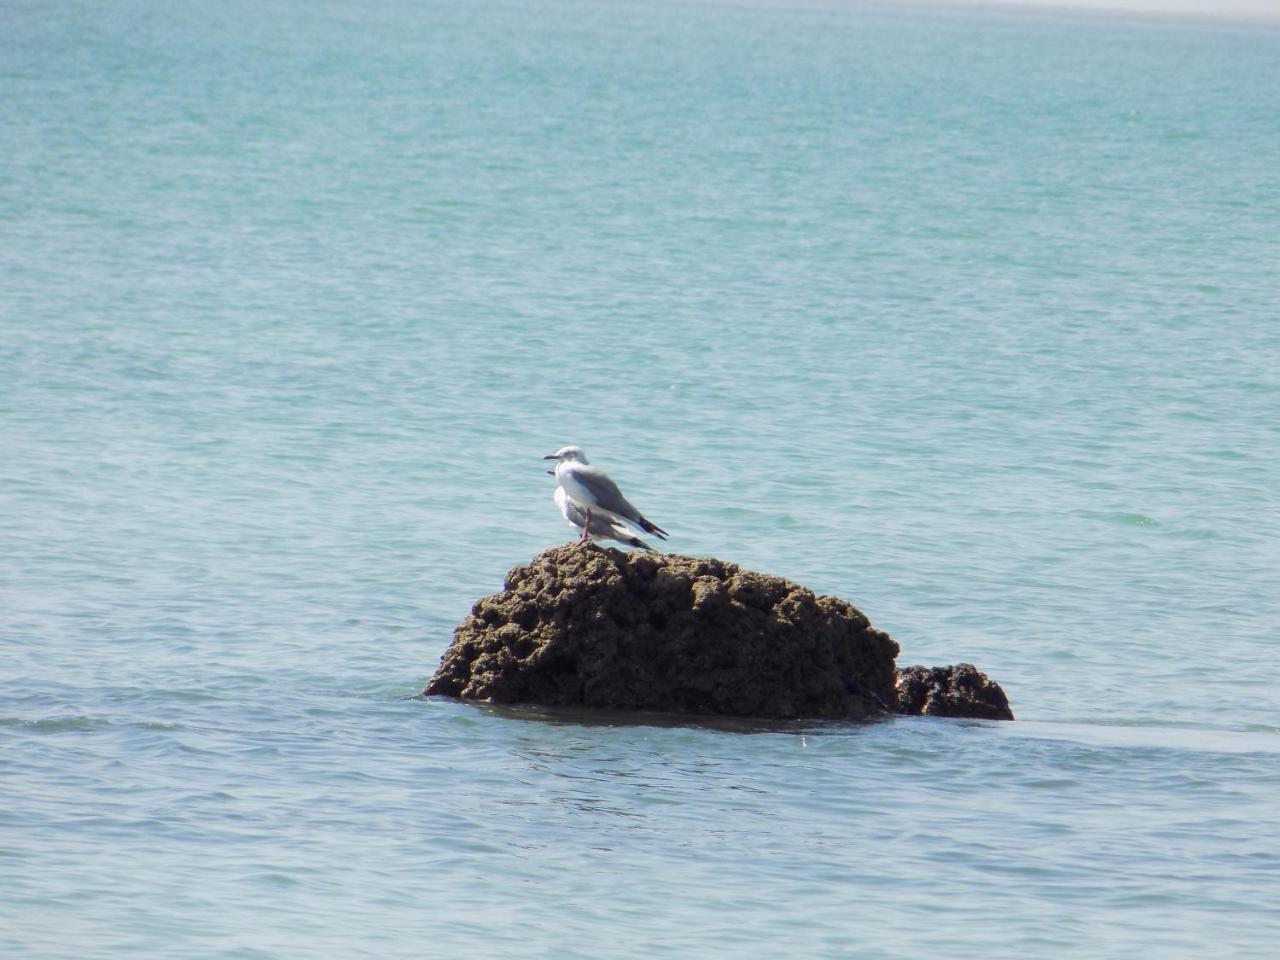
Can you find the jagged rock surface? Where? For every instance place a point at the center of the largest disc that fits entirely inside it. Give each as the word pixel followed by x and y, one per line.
pixel 955 691
pixel 585 626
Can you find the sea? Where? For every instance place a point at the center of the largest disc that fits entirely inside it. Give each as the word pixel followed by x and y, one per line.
pixel 969 316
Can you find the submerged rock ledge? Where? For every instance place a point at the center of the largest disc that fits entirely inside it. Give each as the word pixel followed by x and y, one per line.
pixel 599 628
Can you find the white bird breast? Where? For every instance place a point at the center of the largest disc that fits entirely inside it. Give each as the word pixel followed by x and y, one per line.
pixel 572 486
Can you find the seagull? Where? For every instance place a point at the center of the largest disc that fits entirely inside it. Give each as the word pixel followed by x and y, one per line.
pixel 590 489
pixel 601 528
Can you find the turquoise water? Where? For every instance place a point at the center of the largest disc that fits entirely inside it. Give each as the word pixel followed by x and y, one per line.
pixel 970 318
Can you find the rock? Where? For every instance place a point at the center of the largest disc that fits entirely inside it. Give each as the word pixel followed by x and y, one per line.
pixel 956 691
pixel 590 627
pixel 596 628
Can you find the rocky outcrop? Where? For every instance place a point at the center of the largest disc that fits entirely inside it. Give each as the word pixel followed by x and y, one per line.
pixel 582 626
pixel 956 691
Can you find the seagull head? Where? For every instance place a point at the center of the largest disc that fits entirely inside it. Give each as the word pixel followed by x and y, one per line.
pixel 567 455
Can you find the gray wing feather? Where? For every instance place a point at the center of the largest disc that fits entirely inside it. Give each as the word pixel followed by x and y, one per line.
pixel 605 491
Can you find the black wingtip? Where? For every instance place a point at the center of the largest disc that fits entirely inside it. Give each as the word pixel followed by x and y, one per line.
pixel 651 527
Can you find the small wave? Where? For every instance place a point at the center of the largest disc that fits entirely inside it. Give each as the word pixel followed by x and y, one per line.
pixel 55 724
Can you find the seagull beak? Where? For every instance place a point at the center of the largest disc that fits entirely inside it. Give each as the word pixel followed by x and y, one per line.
pixel 551 473
pixel 549 456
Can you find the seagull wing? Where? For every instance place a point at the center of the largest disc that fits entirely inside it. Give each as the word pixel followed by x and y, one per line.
pixel 602 492
pixel 618 531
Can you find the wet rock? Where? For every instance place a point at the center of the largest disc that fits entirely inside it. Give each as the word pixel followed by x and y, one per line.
pixel 589 627
pixel 955 691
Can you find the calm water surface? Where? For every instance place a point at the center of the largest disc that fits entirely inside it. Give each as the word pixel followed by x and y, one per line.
pixel 969 318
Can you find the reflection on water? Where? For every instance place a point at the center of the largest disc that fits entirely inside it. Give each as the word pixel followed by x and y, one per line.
pixel 642 718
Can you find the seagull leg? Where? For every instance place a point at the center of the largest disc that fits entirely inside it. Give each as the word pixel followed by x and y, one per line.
pixel 584 539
